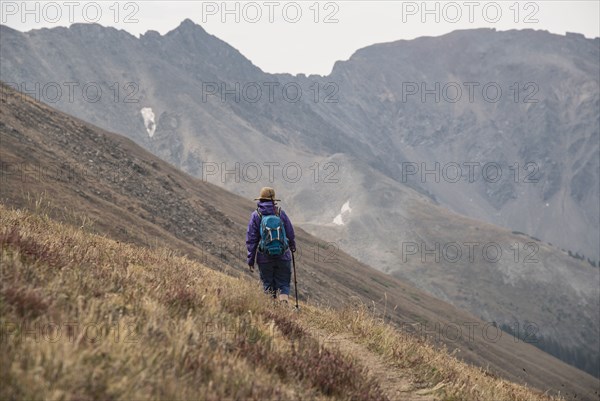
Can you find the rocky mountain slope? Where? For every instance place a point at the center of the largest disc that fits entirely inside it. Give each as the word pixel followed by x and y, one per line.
pixel 505 130
pixel 350 152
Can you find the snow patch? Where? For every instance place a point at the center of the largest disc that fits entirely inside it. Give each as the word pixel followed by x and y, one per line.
pixel 338 220
pixel 149 123
pixel 344 212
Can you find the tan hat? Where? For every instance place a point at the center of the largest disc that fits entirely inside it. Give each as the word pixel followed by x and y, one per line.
pixel 267 193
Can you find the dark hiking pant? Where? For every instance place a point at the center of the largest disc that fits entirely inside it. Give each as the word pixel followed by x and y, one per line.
pixel 276 276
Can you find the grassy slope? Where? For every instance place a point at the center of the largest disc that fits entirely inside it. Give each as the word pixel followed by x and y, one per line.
pixel 87 317
pixel 134 197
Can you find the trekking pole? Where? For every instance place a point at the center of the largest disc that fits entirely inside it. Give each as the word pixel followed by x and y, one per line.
pixel 295 281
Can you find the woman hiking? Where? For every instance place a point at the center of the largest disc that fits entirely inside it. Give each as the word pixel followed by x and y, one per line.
pixel 270 240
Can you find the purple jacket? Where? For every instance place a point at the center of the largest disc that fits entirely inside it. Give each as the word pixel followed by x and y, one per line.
pixel 253 234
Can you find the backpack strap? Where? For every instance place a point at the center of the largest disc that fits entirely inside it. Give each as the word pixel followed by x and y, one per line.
pixel 275 208
pixel 259 213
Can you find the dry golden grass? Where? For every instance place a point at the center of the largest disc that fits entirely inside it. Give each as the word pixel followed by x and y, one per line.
pixel 429 366
pixel 84 317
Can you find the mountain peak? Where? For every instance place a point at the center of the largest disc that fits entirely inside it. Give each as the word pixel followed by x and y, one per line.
pixel 187 25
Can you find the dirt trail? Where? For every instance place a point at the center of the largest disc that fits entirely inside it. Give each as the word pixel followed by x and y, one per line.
pixel 394 382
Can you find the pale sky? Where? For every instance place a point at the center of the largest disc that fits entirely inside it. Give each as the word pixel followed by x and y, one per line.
pixel 309 36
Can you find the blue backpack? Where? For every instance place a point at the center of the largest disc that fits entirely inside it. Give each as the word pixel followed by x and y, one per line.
pixel 273 240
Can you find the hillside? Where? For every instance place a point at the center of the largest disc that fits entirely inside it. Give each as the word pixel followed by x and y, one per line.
pixel 87 317
pixel 353 153
pixel 105 184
